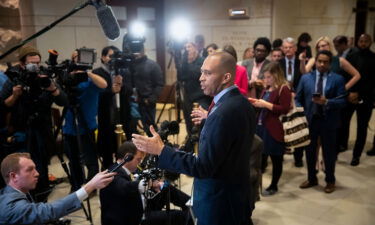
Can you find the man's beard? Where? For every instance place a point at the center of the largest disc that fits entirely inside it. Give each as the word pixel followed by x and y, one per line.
pixel 259 60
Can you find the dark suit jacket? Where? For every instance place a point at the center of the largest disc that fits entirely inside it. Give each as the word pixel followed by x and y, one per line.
pixel 222 168
pixel 121 202
pixel 297 72
pixel 249 64
pixel 334 91
pixel 15 208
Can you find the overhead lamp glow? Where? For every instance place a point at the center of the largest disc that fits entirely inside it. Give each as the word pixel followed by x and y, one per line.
pixel 138 29
pixel 180 29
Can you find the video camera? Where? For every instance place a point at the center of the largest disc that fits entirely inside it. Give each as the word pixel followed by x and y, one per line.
pixel 168 128
pixel 86 57
pixel 28 78
pixel 131 46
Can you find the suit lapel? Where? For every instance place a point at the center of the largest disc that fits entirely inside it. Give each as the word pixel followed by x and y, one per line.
pixel 328 84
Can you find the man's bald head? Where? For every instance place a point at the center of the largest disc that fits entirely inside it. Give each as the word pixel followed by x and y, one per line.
pixel 226 63
pixel 364 41
pixel 218 73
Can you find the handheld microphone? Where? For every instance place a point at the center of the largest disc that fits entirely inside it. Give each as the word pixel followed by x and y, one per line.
pixel 127 158
pixel 117 98
pixel 107 20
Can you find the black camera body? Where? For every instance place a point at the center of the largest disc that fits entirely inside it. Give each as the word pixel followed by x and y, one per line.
pixel 168 128
pixel 29 77
pixel 151 174
pixel 63 72
pixel 120 61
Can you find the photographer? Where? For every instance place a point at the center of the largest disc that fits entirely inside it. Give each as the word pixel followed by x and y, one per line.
pixel 124 202
pixel 147 81
pixel 28 95
pixel 82 112
pixel 107 117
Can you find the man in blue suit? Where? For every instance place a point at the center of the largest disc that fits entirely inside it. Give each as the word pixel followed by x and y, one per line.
pixel 322 94
pixel 221 168
pixel 16 204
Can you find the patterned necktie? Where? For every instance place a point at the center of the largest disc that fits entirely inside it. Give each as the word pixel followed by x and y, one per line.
pixel 290 67
pixel 211 107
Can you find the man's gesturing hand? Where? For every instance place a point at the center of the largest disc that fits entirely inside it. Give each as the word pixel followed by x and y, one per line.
pixel 153 145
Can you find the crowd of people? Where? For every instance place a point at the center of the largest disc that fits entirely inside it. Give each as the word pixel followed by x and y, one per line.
pixel 238 99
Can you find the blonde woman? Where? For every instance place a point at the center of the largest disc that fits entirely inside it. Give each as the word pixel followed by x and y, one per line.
pixel 338 65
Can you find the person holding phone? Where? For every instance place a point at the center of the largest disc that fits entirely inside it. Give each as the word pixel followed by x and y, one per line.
pixel 275 101
pixel 322 94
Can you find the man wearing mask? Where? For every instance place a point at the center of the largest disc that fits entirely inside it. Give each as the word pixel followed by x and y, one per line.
pixel 28 96
pixel 255 66
pixel 109 114
pixel 364 61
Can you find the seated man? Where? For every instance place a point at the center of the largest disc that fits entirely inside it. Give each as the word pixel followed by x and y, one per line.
pixel 16 204
pixel 123 201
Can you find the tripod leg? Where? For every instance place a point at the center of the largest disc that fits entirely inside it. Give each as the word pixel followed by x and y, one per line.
pixel 89 209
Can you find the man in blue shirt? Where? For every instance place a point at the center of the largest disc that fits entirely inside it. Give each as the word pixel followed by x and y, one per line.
pixel 82 112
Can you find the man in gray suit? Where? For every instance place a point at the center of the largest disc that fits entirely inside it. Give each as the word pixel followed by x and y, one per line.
pixel 16 204
pixel 255 66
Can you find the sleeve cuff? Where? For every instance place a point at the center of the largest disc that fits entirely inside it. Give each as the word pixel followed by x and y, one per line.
pixel 81 194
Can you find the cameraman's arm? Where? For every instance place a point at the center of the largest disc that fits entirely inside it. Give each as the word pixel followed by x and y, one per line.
pixel 10 93
pixel 97 80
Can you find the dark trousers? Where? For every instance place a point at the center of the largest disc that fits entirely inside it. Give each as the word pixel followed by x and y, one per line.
pixel 106 144
pixel 327 137
pixel 364 112
pixel 39 141
pixel 298 154
pixel 155 215
pixel 148 112
pixel 88 155
pixel 277 169
pixel 176 217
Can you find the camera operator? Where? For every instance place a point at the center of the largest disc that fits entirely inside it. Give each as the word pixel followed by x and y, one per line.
pixel 124 202
pixel 147 80
pixel 192 92
pixel 107 107
pixel 83 108
pixel 28 96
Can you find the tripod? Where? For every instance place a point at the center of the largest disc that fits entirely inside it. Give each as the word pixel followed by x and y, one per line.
pixel 74 108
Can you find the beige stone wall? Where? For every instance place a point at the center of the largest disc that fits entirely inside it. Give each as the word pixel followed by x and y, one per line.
pixel 210 18
pixel 10 26
pixel 318 17
pixel 270 18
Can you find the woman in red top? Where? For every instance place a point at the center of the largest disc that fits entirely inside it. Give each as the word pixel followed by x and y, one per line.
pixel 241 80
pixel 275 101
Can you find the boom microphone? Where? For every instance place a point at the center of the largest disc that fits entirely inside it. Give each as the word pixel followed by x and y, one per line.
pixel 127 158
pixel 107 20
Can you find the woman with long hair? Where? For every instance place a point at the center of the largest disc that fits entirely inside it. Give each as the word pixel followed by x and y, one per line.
pixel 275 101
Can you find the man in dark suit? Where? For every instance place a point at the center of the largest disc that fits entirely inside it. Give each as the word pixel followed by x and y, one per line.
pixel 322 94
pixel 123 201
pixel 221 168
pixel 291 67
pixel 255 66
pixel 16 203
